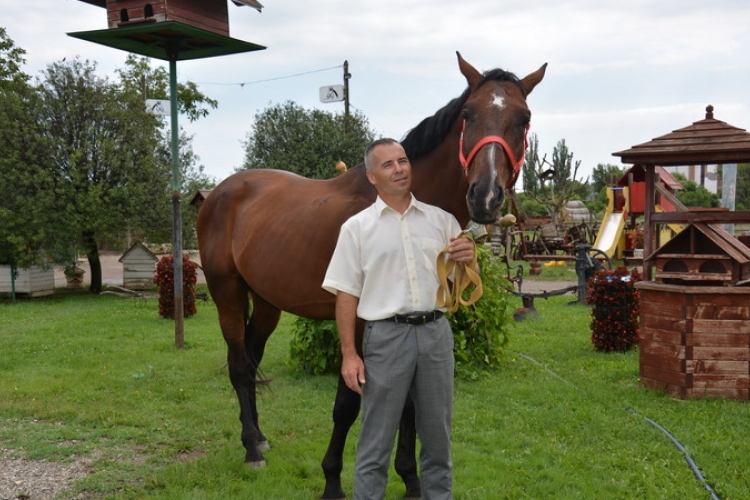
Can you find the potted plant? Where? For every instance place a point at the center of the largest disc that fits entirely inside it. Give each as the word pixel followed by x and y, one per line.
pixel 73 276
pixel 638 236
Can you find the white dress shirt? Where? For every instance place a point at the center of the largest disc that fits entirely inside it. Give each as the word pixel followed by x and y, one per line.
pixel 388 260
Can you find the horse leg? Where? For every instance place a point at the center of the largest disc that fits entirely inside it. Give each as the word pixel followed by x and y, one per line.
pixel 231 299
pixel 406 452
pixel 259 327
pixel 345 411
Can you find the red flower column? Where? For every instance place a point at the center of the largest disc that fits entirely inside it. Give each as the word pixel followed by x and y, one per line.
pixel 614 317
pixel 164 277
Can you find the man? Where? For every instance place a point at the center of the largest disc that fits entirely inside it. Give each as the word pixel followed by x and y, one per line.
pixel 384 271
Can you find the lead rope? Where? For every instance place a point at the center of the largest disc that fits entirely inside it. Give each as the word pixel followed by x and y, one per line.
pixel 450 292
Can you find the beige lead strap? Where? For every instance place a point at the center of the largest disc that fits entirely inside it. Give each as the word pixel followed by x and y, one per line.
pixel 450 293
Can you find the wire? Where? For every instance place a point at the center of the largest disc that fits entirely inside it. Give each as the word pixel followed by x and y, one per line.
pixel 242 84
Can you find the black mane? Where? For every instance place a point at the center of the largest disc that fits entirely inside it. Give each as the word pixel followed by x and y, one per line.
pixel 431 131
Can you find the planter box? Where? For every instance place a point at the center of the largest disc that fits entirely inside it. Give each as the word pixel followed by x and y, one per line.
pixel 694 340
pixel 32 282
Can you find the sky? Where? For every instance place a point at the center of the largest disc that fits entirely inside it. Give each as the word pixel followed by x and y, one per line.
pixel 619 73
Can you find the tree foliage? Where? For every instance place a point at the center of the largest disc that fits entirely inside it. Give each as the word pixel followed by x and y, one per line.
pixel 139 78
pixel 602 177
pixel 104 166
pixel 24 227
pixel 307 142
pixel 742 194
pixel 695 195
pixel 84 166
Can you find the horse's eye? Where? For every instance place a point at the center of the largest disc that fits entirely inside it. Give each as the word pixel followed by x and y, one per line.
pixel 466 114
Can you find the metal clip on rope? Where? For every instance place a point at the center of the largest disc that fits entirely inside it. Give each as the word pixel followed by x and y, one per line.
pixel 450 292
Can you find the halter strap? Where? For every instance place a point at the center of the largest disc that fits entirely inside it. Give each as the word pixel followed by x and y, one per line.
pixel 516 163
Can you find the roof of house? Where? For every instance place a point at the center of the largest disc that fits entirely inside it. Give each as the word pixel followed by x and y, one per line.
pixel 137 246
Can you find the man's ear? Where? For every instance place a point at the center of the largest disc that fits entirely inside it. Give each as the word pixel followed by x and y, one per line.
pixel 370 177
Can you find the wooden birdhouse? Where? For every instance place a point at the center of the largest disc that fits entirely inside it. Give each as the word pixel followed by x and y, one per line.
pixel 703 255
pixel 171 30
pixel 210 15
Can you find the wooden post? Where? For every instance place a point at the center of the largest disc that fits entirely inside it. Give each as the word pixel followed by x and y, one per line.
pixel 649 236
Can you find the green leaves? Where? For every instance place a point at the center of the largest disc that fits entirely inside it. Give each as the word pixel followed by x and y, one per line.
pixel 480 332
pixel 306 142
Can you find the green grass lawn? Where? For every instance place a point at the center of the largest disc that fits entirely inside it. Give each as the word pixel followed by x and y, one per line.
pixel 98 377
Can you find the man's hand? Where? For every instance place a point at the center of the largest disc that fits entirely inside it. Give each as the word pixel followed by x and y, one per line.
pixel 461 250
pixel 353 371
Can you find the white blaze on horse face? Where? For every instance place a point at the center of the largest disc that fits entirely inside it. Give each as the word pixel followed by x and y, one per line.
pixel 493 174
pixel 499 102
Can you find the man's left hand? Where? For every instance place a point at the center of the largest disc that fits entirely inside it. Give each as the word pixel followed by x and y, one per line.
pixel 461 250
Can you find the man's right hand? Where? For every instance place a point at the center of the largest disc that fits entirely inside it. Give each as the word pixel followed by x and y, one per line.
pixel 353 371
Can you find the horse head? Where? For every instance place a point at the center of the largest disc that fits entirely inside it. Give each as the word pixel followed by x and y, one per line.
pixel 495 123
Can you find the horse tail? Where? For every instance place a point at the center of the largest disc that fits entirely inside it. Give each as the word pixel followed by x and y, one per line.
pixel 259 379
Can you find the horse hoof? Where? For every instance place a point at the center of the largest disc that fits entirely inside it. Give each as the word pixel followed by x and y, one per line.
pixel 263 445
pixel 258 464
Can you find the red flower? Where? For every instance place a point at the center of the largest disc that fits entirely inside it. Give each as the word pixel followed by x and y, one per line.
pixel 164 277
pixel 614 317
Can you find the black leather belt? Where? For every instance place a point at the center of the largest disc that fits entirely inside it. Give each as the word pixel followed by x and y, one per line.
pixel 417 318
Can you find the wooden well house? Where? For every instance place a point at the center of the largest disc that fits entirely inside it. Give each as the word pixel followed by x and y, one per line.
pixel 138 264
pixel 694 338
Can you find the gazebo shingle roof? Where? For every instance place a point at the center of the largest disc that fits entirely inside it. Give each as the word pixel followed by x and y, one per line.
pixel 707 141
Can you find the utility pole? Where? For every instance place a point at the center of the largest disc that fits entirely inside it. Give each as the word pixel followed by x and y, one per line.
pixel 347 76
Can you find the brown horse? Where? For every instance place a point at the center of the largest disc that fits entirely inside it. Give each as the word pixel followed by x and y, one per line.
pixel 270 234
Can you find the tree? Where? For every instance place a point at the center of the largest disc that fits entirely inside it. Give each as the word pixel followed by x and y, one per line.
pixel 557 181
pixel 531 166
pixel 104 167
pixel 602 177
pixel 307 142
pixel 27 203
pixel 742 195
pixel 11 60
pixel 139 78
pixel 695 195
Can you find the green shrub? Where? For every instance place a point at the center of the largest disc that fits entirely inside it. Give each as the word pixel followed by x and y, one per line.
pixel 480 331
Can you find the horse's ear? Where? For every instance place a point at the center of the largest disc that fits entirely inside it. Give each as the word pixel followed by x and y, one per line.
pixel 532 79
pixel 470 73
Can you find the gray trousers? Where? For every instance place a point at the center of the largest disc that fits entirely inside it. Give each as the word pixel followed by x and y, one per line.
pixel 400 360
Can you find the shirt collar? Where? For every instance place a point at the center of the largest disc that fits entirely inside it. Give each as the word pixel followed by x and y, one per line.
pixel 380 205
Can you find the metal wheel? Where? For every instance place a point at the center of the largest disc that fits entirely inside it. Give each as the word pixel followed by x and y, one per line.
pixel 597 256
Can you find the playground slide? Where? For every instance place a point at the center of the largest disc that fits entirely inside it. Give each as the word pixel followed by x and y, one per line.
pixel 609 232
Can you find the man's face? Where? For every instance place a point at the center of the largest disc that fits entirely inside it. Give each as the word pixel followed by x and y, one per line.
pixel 391 170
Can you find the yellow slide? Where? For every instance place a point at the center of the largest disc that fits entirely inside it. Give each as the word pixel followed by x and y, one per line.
pixel 610 232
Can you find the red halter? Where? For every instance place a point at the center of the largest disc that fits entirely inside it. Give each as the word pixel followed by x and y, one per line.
pixel 517 164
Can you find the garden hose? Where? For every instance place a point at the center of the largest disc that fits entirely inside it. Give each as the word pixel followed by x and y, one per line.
pixel 691 463
pixel 465 275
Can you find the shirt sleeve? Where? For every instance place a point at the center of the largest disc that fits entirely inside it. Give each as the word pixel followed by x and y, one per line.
pixel 345 269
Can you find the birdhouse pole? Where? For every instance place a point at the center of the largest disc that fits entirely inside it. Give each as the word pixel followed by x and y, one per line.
pixel 179 302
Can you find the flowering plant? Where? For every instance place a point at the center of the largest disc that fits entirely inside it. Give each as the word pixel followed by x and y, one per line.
pixel 164 277
pixel 638 235
pixel 614 317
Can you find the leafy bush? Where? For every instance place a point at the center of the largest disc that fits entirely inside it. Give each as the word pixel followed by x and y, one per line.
pixel 164 277
pixel 614 317
pixel 480 331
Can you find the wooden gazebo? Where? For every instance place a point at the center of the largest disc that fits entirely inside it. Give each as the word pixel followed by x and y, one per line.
pixel 705 142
